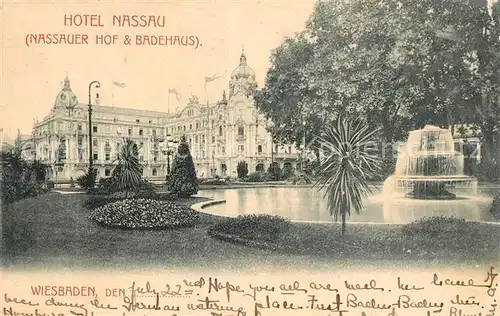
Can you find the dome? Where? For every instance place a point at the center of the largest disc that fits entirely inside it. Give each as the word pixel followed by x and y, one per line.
pixel 66 98
pixel 243 70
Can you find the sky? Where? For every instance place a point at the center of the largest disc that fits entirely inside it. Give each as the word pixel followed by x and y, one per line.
pixel 32 76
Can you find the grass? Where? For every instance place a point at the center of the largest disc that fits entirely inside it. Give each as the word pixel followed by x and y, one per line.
pixel 53 231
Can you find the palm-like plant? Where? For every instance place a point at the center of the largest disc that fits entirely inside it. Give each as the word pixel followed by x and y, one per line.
pixel 347 162
pixel 128 172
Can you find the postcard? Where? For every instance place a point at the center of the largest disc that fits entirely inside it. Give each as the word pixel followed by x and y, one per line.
pixel 250 158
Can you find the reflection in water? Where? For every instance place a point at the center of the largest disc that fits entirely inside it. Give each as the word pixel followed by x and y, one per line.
pixel 307 204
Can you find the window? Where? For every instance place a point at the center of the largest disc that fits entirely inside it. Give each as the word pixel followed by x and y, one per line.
pixel 150 121
pixel 94 129
pixel 259 149
pixel 213 139
pixel 94 142
pixel 197 125
pixel 241 148
pixel 141 131
pixel 80 140
pixel 107 172
pixel 190 126
pixel 137 121
pixel 196 139
pixel 95 156
pixel 155 157
pixel 184 128
pixel 79 127
pixel 141 158
pixel 141 144
pixel 213 123
pixel 220 130
pixel 107 156
pixel 155 172
pixel 130 131
pixel 154 132
pixel 289 149
pixel 203 138
pixel 223 149
pixel 241 130
pixel 275 148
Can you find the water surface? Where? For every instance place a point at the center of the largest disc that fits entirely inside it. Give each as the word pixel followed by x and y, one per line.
pixel 307 204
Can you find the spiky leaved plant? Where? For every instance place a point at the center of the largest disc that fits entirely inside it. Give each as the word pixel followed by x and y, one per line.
pixel 348 160
pixel 128 172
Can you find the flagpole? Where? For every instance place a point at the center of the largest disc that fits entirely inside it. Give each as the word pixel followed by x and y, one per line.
pixel 168 103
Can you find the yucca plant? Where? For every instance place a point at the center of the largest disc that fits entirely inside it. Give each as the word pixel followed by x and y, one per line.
pixel 128 172
pixel 347 161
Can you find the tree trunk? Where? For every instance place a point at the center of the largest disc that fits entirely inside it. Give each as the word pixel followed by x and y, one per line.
pixel 343 222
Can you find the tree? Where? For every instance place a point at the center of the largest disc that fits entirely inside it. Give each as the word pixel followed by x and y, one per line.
pixel 242 169
pixel 346 165
pixel 128 172
pixel 183 181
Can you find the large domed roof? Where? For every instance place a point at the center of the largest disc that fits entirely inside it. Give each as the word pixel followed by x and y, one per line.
pixel 66 98
pixel 243 70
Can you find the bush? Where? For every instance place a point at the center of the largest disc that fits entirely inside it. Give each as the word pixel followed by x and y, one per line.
pixel 301 179
pixel 264 228
pixel 488 172
pixel 87 181
pixel 213 182
pixel 435 226
pixel 495 206
pixel 183 181
pixel 144 213
pixel 274 172
pixel 255 177
pixel 242 169
pixel 20 179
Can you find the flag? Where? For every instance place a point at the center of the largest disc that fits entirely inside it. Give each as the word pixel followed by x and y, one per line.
pixel 212 78
pixel 177 94
pixel 119 84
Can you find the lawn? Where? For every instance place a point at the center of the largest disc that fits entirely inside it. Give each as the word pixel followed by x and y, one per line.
pixel 53 231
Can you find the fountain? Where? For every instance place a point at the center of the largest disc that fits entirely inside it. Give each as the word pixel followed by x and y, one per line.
pixel 429 168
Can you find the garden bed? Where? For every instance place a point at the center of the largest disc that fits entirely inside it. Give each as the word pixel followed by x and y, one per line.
pixel 144 214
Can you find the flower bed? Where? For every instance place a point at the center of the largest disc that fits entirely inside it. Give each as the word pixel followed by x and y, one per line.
pixel 255 228
pixel 145 214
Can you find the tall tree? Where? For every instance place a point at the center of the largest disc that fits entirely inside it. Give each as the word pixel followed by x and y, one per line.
pixel 182 181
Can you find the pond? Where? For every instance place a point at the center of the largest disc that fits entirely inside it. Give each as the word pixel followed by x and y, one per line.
pixel 307 204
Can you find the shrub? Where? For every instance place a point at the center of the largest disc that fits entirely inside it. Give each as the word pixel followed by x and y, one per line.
pixel 213 182
pixel 182 181
pixel 301 179
pixel 435 226
pixel 265 228
pixel 275 172
pixel 19 178
pixel 488 172
pixel 255 177
pixel 242 169
pixel 87 181
pixel 495 206
pixel 144 213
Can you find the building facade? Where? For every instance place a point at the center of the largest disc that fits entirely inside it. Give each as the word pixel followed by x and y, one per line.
pixel 220 135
